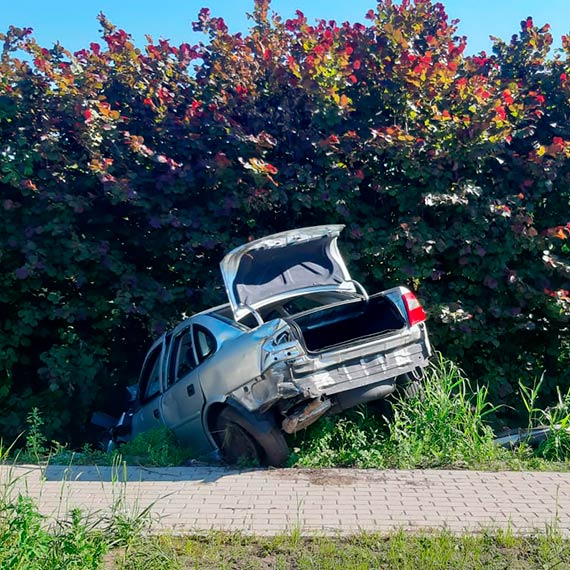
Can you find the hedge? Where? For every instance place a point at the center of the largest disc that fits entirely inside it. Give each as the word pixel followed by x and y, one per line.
pixel 126 173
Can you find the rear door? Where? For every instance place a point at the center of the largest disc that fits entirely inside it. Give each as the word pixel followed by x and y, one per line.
pixel 183 400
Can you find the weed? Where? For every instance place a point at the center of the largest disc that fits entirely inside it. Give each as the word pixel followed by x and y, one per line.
pixel 36 447
pixel 27 544
pixel 443 426
pixel 157 447
pixel 363 550
pixel 556 446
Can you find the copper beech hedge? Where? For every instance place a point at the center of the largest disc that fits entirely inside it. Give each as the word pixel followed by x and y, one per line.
pixel 127 172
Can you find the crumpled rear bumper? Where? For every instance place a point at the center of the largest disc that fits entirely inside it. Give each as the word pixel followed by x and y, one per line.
pixel 363 363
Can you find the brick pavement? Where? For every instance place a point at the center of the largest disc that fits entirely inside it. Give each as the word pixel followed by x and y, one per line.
pixel 186 499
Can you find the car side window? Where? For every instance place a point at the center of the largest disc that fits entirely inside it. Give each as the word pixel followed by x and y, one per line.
pixel 205 342
pixel 150 377
pixel 182 359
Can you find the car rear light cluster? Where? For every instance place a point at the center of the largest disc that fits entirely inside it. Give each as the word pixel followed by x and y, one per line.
pixel 415 311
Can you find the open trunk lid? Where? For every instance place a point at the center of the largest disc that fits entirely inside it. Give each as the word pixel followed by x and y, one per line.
pixel 282 265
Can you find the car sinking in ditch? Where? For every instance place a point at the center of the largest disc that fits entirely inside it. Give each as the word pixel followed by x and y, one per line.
pixel 298 339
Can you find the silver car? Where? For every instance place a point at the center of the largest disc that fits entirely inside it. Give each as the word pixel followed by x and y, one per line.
pixel 298 339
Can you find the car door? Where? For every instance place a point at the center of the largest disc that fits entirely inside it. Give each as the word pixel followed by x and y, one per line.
pixel 183 400
pixel 148 415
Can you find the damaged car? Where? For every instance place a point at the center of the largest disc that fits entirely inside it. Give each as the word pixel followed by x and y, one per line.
pixel 298 339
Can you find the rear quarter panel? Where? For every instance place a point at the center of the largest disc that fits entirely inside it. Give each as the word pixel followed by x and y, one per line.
pixel 236 362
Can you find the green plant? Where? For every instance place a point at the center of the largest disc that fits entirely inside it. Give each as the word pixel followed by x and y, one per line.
pixel 445 425
pixel 401 549
pixel 556 445
pixel 27 544
pixel 355 438
pixel 156 447
pixel 77 541
pixel 36 446
pixel 529 396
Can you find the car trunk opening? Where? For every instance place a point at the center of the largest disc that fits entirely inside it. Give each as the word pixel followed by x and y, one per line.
pixel 339 324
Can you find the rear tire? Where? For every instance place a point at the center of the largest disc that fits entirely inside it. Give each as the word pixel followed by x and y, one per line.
pixel 249 439
pixel 409 387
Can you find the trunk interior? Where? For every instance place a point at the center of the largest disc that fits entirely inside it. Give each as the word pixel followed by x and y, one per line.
pixel 339 324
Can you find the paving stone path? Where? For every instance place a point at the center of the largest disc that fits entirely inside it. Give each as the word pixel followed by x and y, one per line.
pixel 265 502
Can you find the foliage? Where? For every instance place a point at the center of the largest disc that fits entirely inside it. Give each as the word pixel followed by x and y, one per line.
pixel 79 541
pixel 36 444
pixel 445 425
pixel 125 173
pixel 442 426
pixel 157 447
pixel 405 550
pixel 556 446
pixel 26 543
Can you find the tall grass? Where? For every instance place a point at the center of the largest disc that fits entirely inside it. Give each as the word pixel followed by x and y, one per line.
pixel 83 543
pixel 556 446
pixel 157 447
pixel 31 541
pixel 446 425
pixel 443 426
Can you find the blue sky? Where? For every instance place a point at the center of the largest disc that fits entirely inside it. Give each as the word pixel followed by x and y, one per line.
pixel 74 24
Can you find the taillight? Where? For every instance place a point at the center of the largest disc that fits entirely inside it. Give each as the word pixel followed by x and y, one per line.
pixel 416 313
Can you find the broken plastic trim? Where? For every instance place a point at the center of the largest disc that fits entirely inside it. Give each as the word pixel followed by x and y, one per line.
pixel 305 416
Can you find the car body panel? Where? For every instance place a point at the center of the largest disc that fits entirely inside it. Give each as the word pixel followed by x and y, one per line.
pixel 357 366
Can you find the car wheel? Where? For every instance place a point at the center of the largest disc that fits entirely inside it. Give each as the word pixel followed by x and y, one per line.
pixel 249 439
pixel 409 387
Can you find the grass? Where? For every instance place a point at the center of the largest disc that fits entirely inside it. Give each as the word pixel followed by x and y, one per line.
pixel 444 427
pixel 400 550
pixel 78 541
pixel 157 447
pixel 121 539
pixel 82 542
pixel 557 446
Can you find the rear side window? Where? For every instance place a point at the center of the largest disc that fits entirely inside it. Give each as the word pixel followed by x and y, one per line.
pixel 205 342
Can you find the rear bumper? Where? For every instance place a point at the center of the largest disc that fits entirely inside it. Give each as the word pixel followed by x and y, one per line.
pixel 362 364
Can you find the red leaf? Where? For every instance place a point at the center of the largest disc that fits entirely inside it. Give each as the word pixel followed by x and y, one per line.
pixel 507 97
